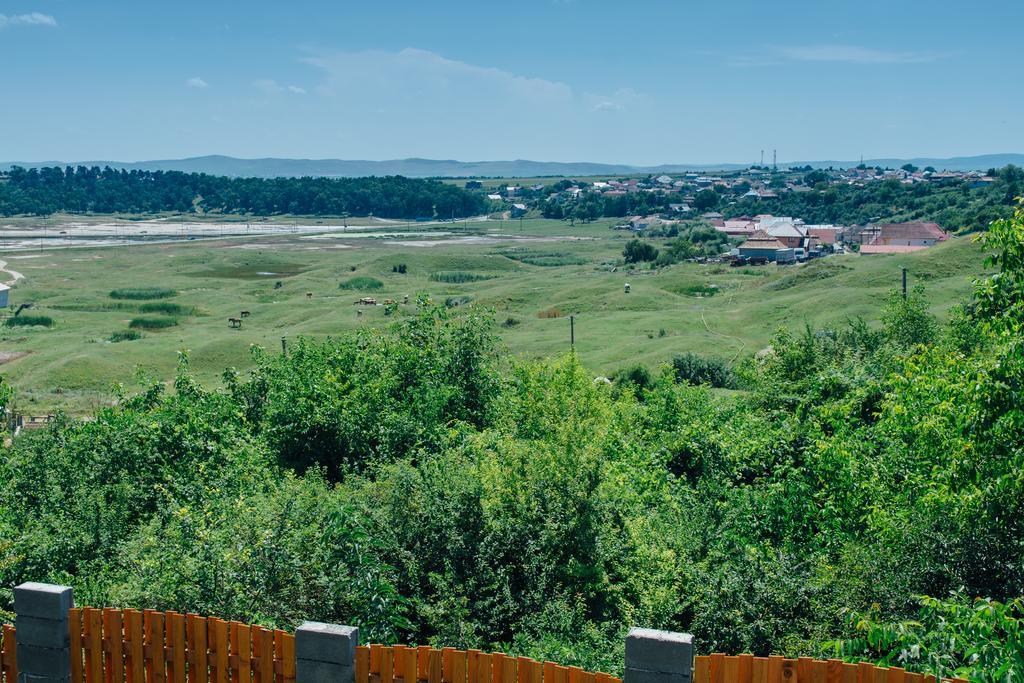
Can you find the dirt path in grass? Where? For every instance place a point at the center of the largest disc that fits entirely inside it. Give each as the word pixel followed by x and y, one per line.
pixel 15 275
pixel 724 336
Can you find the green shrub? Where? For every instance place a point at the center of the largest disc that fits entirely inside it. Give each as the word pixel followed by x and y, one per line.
pixel 152 323
pixel 456 277
pixel 362 283
pixel 30 320
pixel 143 293
pixel 167 307
pixel 125 335
pixel 694 369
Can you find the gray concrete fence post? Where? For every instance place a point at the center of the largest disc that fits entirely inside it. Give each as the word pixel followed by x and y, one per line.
pixel 658 656
pixel 325 653
pixel 41 632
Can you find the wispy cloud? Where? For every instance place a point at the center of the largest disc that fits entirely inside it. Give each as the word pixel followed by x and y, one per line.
pixel 854 54
pixel 30 19
pixel 196 82
pixel 429 71
pixel 272 87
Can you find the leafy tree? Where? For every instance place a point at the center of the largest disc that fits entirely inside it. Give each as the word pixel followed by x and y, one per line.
pixel 637 251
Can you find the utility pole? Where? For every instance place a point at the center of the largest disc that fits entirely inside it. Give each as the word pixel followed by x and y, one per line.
pixel 775 165
pixel 572 332
pixel 904 269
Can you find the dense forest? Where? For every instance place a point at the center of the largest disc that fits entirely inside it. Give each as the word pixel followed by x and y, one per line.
pixel 93 190
pixel 860 495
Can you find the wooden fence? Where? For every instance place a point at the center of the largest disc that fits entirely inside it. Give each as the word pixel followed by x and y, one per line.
pixel 8 655
pixel 128 646
pixel 720 668
pixel 380 664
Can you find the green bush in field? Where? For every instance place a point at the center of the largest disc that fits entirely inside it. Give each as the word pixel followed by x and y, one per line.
pixel 459 276
pixel 143 293
pixel 152 323
pixel 167 307
pixel 362 283
pixel 125 335
pixel 29 321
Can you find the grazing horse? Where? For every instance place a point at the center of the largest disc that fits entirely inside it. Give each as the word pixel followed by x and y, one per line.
pixel 309 295
pixel 235 322
pixel 246 314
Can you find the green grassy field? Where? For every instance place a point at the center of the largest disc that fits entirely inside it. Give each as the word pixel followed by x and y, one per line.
pixel 534 275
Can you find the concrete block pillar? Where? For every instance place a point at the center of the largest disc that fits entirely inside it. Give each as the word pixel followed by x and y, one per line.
pixel 325 653
pixel 658 656
pixel 41 632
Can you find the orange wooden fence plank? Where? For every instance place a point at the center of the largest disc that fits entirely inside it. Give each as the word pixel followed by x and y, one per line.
pixel 197 640
pixel 484 667
pixel 913 678
pixel 375 655
pixel 701 669
pixel 895 675
pixel 398 659
pixel 460 666
pixel 560 674
pixel 387 665
pixel 176 647
pixel 288 658
pixel 423 662
pixel 849 673
pixel 473 666
pixel 819 671
pixel 241 647
pixel 775 665
pixel 536 673
pixel 803 669
pixel 731 670
pixel 262 654
pixel 759 670
pixel 880 674
pixel 93 637
pixel 10 654
pixel 156 663
pixel 410 667
pixel 789 670
pixel 717 664
pixel 220 651
pixel 446 664
pixel 134 647
pixel 113 637
pixel 509 672
pixel 75 635
pixel 745 667
pixel 434 668
pixel 362 664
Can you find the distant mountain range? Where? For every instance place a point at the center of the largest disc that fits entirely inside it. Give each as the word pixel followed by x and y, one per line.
pixel 450 168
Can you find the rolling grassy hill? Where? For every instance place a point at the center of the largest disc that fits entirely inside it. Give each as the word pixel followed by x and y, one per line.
pixel 533 281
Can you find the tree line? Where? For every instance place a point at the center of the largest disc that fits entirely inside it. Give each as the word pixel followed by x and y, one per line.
pixel 84 190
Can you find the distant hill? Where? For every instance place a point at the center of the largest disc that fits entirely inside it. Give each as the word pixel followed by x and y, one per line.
pixel 450 168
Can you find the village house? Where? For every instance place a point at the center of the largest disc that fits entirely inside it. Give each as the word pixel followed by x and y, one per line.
pixel 761 245
pixel 894 238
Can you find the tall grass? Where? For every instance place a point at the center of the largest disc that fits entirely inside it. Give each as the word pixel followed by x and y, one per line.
pixel 457 277
pixel 30 320
pixel 125 335
pixel 152 323
pixel 549 313
pixel 362 283
pixel 143 293
pixel 167 307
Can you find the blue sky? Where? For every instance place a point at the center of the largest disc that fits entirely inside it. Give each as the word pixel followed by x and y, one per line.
pixel 630 81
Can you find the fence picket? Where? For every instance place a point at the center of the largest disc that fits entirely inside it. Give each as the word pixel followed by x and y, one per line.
pixel 789 670
pixel 717 662
pixel 75 637
pixel 197 649
pixel 460 667
pixel 153 648
pixel 730 670
pixel 9 655
pixel 175 647
pixel 113 645
pixel 759 670
pixel 434 666
pixel 240 661
pixel 410 665
pixel 221 651
pixel 288 658
pixel 93 638
pixel 387 665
